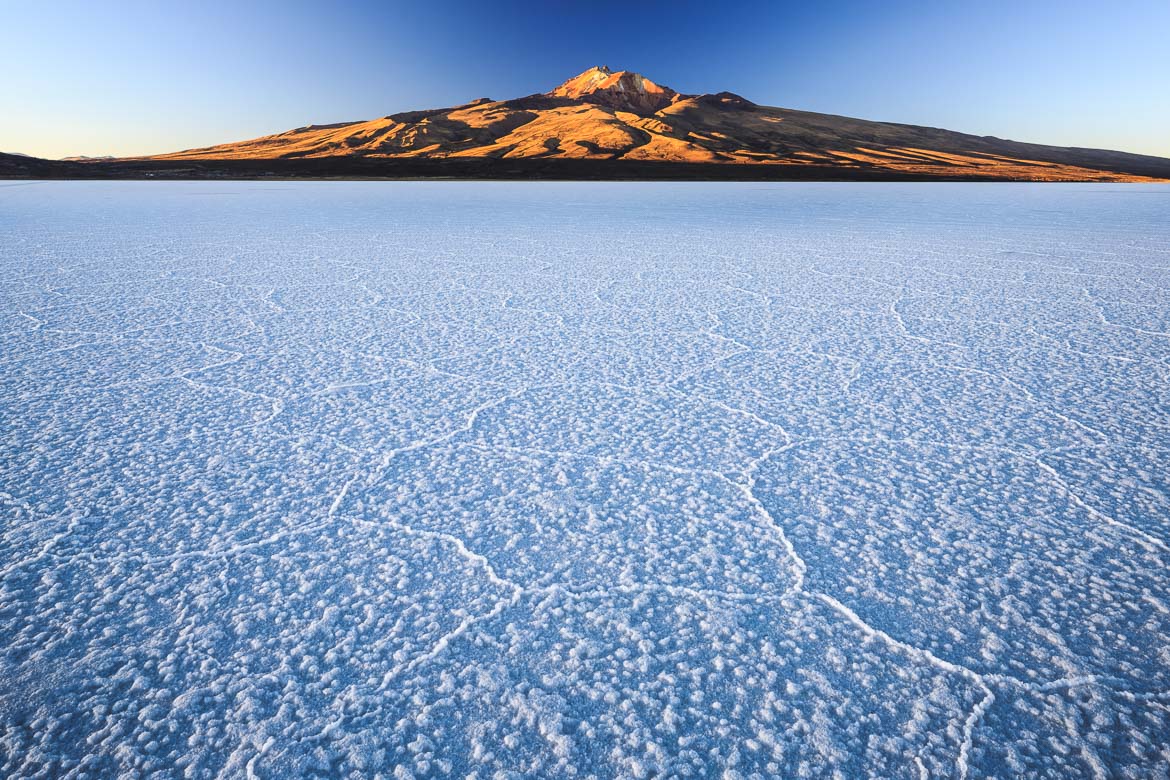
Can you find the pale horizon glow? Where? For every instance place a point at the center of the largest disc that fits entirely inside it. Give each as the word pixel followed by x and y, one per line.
pixel 133 78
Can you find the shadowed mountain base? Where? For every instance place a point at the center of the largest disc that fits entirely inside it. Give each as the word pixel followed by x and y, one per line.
pixel 16 167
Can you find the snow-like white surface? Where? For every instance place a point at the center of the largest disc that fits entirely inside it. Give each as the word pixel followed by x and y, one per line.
pixel 604 480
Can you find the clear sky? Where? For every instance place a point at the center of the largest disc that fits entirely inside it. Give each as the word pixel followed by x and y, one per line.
pixel 128 77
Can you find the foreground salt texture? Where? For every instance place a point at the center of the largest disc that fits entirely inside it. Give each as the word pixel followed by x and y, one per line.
pixel 597 480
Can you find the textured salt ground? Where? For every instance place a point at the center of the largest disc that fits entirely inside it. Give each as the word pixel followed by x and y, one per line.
pixel 604 480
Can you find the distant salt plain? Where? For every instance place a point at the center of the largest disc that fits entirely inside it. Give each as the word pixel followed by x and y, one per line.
pixel 582 479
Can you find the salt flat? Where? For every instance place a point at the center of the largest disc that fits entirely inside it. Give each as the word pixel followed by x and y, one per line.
pixel 595 480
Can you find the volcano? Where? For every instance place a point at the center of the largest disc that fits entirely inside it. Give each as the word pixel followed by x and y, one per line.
pixel 606 123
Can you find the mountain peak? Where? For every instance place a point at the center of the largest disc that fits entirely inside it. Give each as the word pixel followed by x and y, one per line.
pixel 623 90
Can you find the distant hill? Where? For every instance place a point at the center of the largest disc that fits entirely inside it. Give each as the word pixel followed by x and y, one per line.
pixel 14 165
pixel 618 124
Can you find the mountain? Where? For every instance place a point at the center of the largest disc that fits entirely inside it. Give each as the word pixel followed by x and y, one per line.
pixel 621 125
pixel 607 115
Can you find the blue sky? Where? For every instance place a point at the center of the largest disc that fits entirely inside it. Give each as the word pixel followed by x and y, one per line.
pixel 135 77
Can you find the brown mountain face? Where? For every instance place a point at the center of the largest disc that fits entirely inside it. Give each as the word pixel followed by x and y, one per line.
pixel 619 115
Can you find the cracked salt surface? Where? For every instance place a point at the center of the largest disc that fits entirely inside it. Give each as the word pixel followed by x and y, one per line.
pixel 597 480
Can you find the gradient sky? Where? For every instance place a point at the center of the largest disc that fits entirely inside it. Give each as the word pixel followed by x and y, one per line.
pixel 129 77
